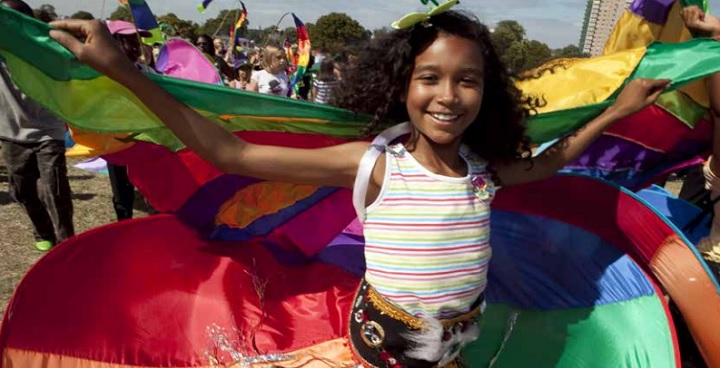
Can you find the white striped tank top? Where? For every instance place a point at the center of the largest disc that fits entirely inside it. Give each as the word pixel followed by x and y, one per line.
pixel 427 237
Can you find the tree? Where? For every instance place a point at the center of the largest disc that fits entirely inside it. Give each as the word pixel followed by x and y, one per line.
pixel 505 34
pixel 334 31
pixel 82 15
pixel 514 57
pixel 45 13
pixel 290 33
pixel 570 51
pixel 177 27
pixel 121 13
pixel 220 25
pixel 537 54
pixel 381 32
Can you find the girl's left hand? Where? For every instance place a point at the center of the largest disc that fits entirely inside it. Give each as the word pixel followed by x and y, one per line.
pixel 637 95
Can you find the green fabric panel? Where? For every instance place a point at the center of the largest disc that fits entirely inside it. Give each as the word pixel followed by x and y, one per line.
pixel 702 4
pixel 49 73
pixel 632 334
pixel 682 107
pixel 28 38
pixel 680 62
pixel 102 105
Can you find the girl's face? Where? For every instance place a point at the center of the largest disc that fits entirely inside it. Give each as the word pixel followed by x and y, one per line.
pixel 242 74
pixel 278 61
pixel 446 89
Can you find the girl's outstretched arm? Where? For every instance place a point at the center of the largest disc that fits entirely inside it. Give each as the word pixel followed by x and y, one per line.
pixel 637 95
pixel 332 166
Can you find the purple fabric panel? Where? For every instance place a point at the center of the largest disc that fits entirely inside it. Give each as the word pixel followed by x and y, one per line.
pixel 655 11
pixel 610 153
pixel 200 210
pixel 347 252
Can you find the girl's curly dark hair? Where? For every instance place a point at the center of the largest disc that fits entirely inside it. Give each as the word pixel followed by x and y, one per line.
pixel 379 79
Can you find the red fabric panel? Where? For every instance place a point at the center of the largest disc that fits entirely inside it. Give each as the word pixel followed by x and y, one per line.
pixel 158 287
pixel 658 130
pixel 594 206
pixel 168 180
pixel 313 229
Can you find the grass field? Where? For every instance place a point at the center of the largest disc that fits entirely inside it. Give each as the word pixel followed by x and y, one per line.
pixel 93 208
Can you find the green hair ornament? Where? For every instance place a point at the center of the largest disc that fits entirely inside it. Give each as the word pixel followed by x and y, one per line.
pixel 411 19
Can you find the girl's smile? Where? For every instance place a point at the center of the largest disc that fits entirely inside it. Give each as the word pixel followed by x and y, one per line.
pixel 445 93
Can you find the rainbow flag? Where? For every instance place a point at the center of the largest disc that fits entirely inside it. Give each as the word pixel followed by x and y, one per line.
pixel 303 56
pixel 236 27
pixel 145 19
pixel 202 7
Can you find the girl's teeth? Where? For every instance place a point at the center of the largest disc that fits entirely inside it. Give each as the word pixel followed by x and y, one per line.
pixel 444 117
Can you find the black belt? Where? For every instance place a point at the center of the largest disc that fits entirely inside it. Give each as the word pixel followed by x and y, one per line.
pixel 378 330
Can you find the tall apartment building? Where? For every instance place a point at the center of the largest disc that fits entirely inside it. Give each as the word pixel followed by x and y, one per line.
pixel 600 19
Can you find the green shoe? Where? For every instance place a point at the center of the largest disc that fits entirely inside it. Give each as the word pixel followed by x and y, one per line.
pixel 43 245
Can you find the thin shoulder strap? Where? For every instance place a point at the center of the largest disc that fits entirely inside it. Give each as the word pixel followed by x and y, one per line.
pixel 367 163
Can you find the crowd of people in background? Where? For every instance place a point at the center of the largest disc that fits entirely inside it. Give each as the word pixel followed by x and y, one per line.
pixel 33 140
pixel 268 69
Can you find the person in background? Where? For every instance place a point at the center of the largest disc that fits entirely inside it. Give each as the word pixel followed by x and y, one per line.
pixel 206 44
pixel 325 82
pixel 272 79
pixel 33 147
pixel 123 191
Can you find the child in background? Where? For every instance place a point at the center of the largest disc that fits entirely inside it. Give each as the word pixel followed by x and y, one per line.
pixel 325 82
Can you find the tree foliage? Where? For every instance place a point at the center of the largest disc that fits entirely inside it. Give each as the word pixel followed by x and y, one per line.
pixel 82 14
pixel 45 13
pixel 177 27
pixel 334 31
pixel 515 50
pixel 121 13
pixel 570 51
pixel 220 25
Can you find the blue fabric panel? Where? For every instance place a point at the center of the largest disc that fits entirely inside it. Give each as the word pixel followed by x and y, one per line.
pixel 543 264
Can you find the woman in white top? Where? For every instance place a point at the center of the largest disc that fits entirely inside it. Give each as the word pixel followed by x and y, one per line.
pixel 272 79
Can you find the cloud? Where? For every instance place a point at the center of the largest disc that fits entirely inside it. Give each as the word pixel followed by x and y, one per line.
pixel 557 23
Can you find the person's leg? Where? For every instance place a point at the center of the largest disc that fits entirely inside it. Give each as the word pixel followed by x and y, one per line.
pixel 55 187
pixel 123 191
pixel 23 175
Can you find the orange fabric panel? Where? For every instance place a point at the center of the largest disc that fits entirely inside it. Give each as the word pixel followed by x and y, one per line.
pixel 331 353
pixel 260 199
pixel 683 276
pixel 89 144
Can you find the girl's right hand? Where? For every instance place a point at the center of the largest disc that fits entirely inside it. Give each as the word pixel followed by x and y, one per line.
pixel 99 50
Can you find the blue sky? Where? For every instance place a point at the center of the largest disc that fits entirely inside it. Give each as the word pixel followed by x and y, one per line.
pixel 555 22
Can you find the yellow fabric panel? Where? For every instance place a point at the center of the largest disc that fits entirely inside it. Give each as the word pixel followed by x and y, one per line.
pixel 258 200
pixel 631 31
pixel 89 144
pixel 578 82
pixel 333 353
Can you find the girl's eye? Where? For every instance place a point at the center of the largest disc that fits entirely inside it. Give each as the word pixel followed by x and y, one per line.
pixel 428 78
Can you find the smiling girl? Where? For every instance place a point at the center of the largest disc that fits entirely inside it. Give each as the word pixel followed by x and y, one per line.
pixel 423 189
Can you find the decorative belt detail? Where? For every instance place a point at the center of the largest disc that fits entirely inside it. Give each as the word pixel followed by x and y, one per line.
pixel 408 319
pixel 383 335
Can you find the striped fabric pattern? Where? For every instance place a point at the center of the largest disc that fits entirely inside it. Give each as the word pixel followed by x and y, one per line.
pixel 426 238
